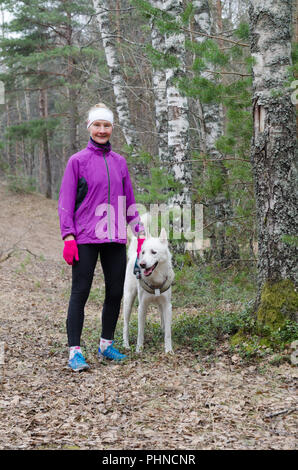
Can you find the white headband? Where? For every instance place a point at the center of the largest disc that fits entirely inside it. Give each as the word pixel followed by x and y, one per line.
pixel 100 114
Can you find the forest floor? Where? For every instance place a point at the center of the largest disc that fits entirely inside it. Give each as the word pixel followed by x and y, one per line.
pixel 153 401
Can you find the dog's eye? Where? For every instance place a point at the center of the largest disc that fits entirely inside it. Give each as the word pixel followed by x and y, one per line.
pixel 153 252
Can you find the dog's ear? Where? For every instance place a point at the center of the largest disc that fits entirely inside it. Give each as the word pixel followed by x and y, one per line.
pixel 163 235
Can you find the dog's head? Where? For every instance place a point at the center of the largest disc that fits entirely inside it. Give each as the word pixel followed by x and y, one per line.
pixel 154 252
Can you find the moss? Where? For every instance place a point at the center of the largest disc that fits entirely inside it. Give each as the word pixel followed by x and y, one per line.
pixel 273 325
pixel 279 303
pixel 238 338
pixel 241 339
pixel 249 345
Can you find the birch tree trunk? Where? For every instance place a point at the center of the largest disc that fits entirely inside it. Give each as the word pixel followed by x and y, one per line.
pixel 212 127
pixel 213 116
pixel 273 154
pixel 160 90
pixel 178 122
pixel 102 14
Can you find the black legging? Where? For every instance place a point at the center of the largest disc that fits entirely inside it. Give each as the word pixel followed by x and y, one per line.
pixel 113 262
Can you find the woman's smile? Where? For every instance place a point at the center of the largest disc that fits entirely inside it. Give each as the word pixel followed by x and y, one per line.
pixel 101 131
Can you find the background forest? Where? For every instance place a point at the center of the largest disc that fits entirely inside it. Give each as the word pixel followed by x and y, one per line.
pixel 178 75
pixel 57 61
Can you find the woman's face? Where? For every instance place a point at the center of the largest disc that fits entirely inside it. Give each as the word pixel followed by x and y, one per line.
pixel 101 131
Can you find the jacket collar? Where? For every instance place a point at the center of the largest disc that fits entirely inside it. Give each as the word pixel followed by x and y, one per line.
pixel 101 147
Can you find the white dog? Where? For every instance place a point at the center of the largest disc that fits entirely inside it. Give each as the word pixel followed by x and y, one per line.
pixel 154 285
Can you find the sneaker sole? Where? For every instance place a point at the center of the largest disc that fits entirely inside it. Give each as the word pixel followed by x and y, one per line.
pixel 101 358
pixel 79 369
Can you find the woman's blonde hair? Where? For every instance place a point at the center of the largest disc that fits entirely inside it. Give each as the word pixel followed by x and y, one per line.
pixel 98 105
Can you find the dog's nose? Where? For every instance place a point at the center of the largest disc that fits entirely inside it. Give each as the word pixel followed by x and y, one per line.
pixel 143 265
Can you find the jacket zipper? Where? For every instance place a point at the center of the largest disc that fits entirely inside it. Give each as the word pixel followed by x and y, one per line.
pixel 109 197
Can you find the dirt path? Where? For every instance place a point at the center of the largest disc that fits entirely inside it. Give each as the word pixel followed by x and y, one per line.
pixel 151 402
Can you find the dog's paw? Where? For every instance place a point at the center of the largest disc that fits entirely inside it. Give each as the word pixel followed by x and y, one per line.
pixel 126 345
pixel 139 349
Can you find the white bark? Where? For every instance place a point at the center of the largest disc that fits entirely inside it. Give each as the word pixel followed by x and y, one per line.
pixel 273 152
pixel 160 90
pixel 212 114
pixel 212 127
pixel 119 87
pixel 178 122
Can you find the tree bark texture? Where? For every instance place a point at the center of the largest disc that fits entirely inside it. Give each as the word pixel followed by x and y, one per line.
pixel 45 145
pixel 273 149
pixel 178 121
pixel 10 153
pixel 212 113
pixel 160 90
pixel 119 88
pixel 212 127
pixel 73 118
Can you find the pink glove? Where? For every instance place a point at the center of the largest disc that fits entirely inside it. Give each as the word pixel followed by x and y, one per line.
pixel 139 247
pixel 70 251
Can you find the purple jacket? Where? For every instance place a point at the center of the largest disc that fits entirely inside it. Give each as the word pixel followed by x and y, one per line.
pixel 96 197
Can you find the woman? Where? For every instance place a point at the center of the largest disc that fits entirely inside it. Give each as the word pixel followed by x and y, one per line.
pixel 95 197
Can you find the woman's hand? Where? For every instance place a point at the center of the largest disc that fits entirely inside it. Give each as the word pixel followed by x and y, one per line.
pixel 139 247
pixel 69 237
pixel 70 251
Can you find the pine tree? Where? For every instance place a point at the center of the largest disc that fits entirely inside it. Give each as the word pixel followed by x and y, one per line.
pixel 44 53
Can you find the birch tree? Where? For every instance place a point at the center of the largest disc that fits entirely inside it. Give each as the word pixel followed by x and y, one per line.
pixel 160 89
pixel 178 121
pixel 273 154
pixel 212 117
pixel 119 86
pixel 211 128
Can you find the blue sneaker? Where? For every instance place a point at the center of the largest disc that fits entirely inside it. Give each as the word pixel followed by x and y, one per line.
pixel 111 353
pixel 78 363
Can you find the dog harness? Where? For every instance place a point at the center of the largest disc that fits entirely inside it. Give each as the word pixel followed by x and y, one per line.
pixel 151 289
